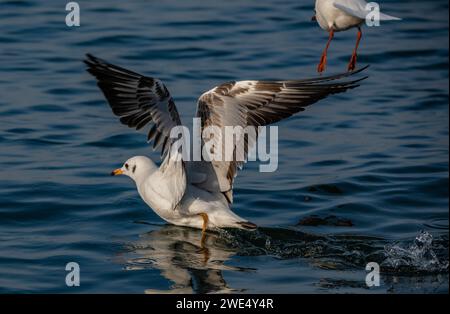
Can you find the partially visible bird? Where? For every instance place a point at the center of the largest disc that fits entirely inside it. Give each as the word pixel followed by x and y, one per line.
pixel 341 15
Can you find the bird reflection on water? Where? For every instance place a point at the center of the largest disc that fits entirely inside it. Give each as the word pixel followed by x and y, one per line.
pixel 192 264
pixel 195 264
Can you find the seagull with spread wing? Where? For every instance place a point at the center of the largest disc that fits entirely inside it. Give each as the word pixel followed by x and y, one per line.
pixel 341 15
pixel 199 194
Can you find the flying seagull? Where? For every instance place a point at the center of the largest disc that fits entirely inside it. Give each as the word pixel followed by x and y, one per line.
pixel 341 15
pixel 199 194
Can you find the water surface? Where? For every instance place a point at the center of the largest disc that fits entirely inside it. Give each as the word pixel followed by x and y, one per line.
pixel 362 177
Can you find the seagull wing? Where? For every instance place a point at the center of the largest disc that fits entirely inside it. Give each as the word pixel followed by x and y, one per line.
pixel 138 100
pixel 357 8
pixel 255 103
pixel 386 17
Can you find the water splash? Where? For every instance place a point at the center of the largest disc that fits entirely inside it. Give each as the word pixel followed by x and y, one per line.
pixel 417 257
pixel 425 255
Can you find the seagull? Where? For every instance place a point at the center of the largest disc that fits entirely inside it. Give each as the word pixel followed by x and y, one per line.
pixel 199 194
pixel 341 15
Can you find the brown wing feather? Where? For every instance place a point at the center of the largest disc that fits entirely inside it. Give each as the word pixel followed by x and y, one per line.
pixel 259 103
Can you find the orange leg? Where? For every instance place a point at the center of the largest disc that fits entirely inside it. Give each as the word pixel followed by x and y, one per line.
pixel 323 59
pixel 352 63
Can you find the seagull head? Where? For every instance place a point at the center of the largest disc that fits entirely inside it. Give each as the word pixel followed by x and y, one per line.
pixel 137 168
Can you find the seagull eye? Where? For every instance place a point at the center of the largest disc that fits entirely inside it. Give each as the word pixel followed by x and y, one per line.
pixel 126 166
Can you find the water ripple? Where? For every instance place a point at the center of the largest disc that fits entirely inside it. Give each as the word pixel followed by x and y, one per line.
pixel 361 177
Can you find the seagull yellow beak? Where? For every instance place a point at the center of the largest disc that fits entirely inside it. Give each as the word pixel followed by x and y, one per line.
pixel 117 172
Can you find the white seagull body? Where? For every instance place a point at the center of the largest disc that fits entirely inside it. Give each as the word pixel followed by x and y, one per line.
pixel 199 194
pixel 341 15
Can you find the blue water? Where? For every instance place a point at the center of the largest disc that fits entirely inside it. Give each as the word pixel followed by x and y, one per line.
pixel 362 176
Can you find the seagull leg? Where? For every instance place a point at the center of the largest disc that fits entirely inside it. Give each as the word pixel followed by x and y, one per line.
pixel 352 63
pixel 205 225
pixel 323 59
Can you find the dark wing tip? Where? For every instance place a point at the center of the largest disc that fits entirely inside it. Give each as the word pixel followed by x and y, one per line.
pixel 93 63
pixel 92 59
pixel 346 74
pixel 359 70
pixel 361 79
pixel 321 79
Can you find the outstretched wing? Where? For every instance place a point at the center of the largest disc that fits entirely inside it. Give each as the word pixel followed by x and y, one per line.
pixel 255 103
pixel 138 100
